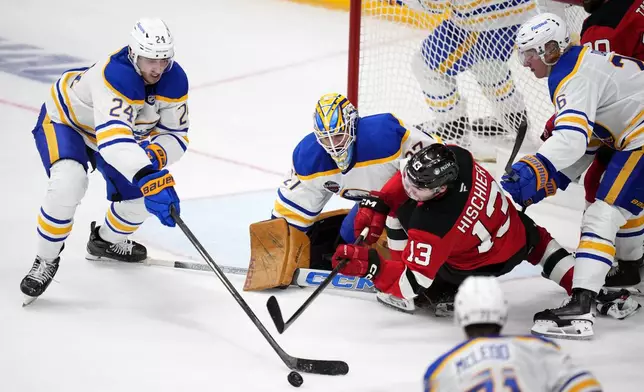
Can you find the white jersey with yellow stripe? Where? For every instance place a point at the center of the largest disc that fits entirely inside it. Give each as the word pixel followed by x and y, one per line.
pixel 381 142
pixel 508 363
pixel 113 109
pixel 597 96
pixel 484 15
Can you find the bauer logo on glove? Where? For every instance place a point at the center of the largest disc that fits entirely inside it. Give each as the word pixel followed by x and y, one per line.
pixel 156 185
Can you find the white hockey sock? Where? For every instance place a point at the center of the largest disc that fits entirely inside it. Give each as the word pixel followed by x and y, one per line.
pixel 122 219
pixel 67 186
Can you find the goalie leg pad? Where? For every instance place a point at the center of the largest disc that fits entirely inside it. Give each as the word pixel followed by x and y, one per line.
pixel 277 249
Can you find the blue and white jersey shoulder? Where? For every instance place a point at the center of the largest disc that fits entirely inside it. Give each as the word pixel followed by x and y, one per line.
pixel 110 105
pixel 597 98
pixel 381 142
pixel 518 363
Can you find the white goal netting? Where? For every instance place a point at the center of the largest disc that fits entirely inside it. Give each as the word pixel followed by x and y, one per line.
pixel 451 66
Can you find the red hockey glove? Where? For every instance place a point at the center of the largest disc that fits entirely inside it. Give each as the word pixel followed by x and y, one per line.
pixel 364 262
pixel 372 214
pixel 549 127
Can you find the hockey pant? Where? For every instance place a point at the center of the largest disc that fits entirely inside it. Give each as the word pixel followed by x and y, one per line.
pixel 66 160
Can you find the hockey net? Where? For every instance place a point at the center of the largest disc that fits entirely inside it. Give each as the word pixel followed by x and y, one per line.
pixel 414 59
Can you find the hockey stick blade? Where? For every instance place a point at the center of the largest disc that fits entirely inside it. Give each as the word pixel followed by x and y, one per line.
pixel 274 308
pixel 315 366
pixel 276 313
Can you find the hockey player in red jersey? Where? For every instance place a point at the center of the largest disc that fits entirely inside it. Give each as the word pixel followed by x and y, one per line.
pixel 459 223
pixel 613 26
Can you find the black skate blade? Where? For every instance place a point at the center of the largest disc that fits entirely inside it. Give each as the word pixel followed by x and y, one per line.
pixel 28 300
pixel 581 330
pixel 106 259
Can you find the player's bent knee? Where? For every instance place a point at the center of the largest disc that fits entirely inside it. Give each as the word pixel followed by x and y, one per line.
pixel 67 182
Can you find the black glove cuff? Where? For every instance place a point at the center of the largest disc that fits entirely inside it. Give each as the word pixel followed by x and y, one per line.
pixel 375 204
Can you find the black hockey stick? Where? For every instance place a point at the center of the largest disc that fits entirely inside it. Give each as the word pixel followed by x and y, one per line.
pixel 315 366
pixel 518 142
pixel 274 307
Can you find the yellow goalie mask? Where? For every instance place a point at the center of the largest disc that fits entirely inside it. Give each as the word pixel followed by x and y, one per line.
pixel 334 122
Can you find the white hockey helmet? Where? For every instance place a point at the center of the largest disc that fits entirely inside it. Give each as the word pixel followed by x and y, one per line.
pixel 480 300
pixel 537 31
pixel 151 38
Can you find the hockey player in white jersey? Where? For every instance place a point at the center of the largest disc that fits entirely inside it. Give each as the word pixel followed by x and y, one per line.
pixel 476 37
pixel 345 155
pixel 349 156
pixel 597 96
pixel 127 116
pixel 487 359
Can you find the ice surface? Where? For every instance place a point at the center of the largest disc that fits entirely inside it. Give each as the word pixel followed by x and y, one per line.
pixel 256 69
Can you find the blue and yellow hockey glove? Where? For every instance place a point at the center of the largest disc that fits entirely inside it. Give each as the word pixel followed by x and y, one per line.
pixel 159 194
pixel 530 180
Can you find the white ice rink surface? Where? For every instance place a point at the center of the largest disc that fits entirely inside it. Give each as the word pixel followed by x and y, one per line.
pixel 256 69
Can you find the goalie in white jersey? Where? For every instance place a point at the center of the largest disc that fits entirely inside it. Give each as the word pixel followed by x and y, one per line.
pixel 348 156
pixel 127 116
pixel 487 359
pixel 598 97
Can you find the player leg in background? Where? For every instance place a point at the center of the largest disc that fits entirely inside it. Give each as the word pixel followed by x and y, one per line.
pixel 64 156
pixel 123 217
pixel 629 253
pixel 442 56
pixel 618 199
pixel 630 237
pixel 492 53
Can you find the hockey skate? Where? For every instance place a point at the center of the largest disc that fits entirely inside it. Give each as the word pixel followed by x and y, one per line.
pixel 625 275
pixel 399 304
pixel 573 320
pixel 38 279
pixel 441 307
pixel 617 304
pixel 127 250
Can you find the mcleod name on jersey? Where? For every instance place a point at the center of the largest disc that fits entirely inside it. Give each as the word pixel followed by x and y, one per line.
pixel 512 363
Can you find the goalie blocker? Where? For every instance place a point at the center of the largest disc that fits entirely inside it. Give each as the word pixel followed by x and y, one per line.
pixel 278 249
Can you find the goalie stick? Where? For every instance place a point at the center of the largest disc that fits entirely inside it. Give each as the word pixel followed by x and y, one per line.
pixel 274 307
pixel 303 277
pixel 300 364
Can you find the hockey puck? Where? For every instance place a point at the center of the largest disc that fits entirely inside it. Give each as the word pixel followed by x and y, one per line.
pixel 295 379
